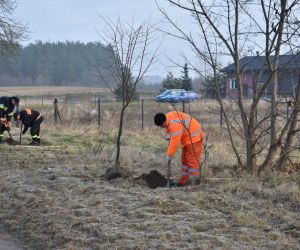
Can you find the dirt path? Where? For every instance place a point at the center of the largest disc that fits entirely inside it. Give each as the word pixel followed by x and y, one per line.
pixel 8 243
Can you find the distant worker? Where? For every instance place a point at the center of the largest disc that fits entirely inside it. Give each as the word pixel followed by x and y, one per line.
pixel 31 119
pixel 183 129
pixel 7 106
pixel 4 126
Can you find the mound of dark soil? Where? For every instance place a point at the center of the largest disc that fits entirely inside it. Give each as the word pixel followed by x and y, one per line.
pixel 111 174
pixel 153 180
pixel 11 141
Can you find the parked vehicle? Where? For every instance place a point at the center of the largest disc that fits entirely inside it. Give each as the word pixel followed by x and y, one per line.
pixel 191 96
pixel 177 95
pixel 163 97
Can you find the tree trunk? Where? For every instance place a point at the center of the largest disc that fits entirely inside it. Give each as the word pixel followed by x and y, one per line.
pixel 117 160
pixel 274 108
pixel 285 151
pixel 251 146
pixel 274 142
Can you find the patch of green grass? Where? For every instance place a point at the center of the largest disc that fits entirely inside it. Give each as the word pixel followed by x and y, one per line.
pixel 143 142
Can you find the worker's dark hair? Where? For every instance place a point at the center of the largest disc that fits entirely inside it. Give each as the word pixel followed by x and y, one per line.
pixel 159 119
pixel 17 99
pixel 16 115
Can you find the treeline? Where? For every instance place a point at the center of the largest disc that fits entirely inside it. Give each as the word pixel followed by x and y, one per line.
pixel 55 64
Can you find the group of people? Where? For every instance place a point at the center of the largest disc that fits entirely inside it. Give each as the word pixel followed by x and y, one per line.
pixel 30 118
pixel 182 128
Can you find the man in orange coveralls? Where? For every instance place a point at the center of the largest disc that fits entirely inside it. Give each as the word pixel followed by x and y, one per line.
pixel 185 129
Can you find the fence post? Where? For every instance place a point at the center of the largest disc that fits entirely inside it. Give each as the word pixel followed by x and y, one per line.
pixel 142 114
pixel 56 112
pixel 183 107
pixel 42 101
pixel 99 109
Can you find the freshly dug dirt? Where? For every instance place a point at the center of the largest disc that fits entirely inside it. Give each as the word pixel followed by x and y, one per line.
pixel 153 180
pixel 111 174
pixel 11 141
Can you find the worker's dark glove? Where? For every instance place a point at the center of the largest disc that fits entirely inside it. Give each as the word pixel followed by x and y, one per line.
pixel 174 184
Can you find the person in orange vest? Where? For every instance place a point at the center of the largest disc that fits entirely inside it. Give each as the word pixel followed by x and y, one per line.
pixel 183 129
pixel 4 126
pixel 7 106
pixel 33 119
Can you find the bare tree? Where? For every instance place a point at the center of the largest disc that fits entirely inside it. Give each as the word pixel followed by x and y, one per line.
pixel 232 29
pixel 133 52
pixel 11 31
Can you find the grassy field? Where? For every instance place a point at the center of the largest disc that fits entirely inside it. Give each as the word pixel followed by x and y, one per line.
pixel 49 90
pixel 54 196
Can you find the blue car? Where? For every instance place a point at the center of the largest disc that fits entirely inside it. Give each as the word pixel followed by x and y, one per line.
pixel 165 96
pixel 177 96
pixel 191 96
pixel 183 96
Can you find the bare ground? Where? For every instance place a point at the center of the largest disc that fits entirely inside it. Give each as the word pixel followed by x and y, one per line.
pixel 54 198
pixel 7 242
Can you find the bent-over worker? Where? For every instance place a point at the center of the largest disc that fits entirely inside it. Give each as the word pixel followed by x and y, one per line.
pixel 7 106
pixel 183 129
pixel 31 119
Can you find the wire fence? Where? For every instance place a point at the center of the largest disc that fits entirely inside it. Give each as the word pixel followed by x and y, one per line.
pixel 102 109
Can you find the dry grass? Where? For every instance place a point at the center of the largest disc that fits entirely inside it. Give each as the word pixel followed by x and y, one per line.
pixel 49 90
pixel 53 197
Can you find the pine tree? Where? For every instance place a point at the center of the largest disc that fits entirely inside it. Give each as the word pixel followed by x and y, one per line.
pixel 186 81
pixel 213 85
pixel 170 82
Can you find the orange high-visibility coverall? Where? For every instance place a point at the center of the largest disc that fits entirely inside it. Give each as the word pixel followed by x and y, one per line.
pixel 185 129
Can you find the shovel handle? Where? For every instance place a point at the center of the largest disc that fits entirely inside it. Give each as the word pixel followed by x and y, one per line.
pixel 169 173
pixel 9 135
pixel 21 128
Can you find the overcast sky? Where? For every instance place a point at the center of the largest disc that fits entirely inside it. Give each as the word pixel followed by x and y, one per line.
pixel 77 20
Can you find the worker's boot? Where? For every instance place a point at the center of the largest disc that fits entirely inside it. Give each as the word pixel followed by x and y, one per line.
pixel 175 184
pixel 38 140
pixel 34 143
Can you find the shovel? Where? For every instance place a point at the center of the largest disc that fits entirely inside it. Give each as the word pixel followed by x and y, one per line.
pixel 10 135
pixel 169 174
pixel 21 133
pixel 12 141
